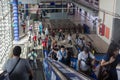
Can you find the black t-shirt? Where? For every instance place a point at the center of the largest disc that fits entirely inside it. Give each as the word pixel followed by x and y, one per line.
pixel 114 64
pixel 112 67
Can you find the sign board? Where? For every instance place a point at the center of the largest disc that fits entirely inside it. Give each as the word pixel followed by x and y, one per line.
pixel 29 1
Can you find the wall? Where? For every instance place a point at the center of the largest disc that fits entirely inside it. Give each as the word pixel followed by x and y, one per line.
pixel 107 18
pixel 117 10
pixel 116 24
pixel 116 30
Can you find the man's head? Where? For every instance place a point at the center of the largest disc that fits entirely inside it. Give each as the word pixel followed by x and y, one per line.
pixel 86 49
pixel 33 50
pixel 62 48
pixel 17 51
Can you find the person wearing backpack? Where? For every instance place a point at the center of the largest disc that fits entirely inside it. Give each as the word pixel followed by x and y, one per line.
pixel 85 61
pixel 62 55
pixel 32 57
pixel 18 68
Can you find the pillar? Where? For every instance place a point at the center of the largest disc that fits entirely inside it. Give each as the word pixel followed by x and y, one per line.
pixel 26 12
pixel 15 20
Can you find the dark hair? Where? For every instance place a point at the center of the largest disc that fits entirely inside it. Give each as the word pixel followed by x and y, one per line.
pixel 33 50
pixel 62 46
pixel 49 37
pixel 17 51
pixel 89 44
pixel 86 49
pixel 112 47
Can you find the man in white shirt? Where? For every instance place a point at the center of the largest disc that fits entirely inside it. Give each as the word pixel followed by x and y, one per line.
pixel 46 31
pixel 79 42
pixel 43 36
pixel 85 61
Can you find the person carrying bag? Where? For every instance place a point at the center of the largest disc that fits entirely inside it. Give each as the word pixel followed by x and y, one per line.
pixel 16 67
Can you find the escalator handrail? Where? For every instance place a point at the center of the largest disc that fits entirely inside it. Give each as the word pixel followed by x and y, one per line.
pixel 59 73
pixel 68 78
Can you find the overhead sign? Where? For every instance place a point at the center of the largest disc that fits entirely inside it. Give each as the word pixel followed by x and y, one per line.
pixel 29 1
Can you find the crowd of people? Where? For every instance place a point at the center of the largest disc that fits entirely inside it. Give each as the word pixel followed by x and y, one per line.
pixel 87 62
pixel 21 69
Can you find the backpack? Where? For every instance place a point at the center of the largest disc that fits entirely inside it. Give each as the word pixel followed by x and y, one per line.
pixel 4 76
pixel 88 60
pixel 33 55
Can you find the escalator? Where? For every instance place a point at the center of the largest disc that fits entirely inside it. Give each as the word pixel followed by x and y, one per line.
pixel 55 70
pixel 49 69
pixel 38 73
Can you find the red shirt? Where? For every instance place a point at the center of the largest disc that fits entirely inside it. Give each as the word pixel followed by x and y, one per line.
pixel 35 38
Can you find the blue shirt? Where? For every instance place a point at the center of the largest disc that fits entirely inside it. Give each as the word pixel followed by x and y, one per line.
pixel 61 55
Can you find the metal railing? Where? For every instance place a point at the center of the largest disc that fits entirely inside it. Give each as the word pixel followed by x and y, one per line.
pixel 63 75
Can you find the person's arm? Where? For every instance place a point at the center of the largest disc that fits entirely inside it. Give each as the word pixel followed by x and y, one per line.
pixel 104 62
pixel 93 58
pixel 55 51
pixel 29 69
pixel 50 53
pixel 65 54
pixel 29 54
pixel 79 61
pixel 35 54
pixel 107 60
pixel 59 56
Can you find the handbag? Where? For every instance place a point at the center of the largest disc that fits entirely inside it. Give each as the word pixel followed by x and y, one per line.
pixel 6 75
